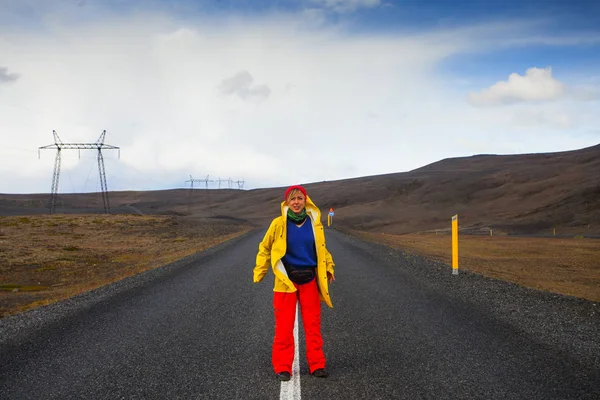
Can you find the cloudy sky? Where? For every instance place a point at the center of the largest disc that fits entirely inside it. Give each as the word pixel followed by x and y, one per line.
pixel 279 92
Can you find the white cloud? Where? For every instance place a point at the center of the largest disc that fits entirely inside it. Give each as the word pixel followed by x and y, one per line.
pixel 241 85
pixel 544 118
pixel 314 17
pixel 6 77
pixel 158 89
pixel 584 92
pixel 536 85
pixel 346 5
pixel 169 94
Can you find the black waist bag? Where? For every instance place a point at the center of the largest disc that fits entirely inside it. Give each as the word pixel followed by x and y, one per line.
pixel 300 276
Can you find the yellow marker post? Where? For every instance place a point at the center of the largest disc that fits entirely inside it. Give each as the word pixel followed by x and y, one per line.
pixel 328 220
pixel 455 244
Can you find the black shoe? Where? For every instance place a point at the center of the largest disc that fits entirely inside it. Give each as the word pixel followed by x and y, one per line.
pixel 320 373
pixel 284 376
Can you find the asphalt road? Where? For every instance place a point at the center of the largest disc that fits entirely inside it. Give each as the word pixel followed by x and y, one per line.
pixel 200 329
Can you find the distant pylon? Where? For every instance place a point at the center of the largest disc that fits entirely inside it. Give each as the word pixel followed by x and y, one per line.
pixel 207 180
pixel 240 184
pixel 220 181
pixel 192 180
pixel 59 145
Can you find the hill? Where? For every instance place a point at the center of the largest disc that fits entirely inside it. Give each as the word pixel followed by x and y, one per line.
pixel 516 194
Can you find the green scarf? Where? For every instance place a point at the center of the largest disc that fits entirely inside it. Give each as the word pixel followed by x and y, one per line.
pixel 298 219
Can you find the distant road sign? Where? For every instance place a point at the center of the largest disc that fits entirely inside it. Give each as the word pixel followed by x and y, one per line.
pixel 331 213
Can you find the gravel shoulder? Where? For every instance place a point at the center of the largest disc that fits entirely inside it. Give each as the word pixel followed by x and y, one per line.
pixel 564 322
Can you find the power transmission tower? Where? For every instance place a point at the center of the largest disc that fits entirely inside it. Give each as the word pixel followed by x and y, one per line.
pixel 192 180
pixel 59 146
pixel 229 182
pixel 240 184
pixel 221 180
pixel 206 180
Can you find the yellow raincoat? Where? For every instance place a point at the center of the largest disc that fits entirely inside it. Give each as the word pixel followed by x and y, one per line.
pixel 273 247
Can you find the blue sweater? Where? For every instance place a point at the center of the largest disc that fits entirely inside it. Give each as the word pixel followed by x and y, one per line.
pixel 301 251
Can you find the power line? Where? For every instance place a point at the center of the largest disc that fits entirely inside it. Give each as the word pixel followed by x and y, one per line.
pixel 192 180
pixel 206 180
pixel 230 182
pixel 220 180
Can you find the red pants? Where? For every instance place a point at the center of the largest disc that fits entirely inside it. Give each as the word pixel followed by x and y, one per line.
pixel 285 316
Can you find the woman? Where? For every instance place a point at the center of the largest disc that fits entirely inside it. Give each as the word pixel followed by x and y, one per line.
pixel 295 247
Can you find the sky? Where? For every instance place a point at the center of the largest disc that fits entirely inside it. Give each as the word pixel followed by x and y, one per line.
pixel 279 92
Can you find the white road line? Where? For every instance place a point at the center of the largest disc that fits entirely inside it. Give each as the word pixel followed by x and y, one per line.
pixel 290 390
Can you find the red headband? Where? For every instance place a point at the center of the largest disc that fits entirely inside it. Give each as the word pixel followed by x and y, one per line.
pixel 300 188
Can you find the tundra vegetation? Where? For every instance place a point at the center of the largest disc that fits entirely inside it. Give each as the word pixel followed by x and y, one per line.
pixel 47 258
pixel 564 265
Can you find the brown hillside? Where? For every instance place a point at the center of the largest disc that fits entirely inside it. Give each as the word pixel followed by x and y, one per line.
pixel 529 193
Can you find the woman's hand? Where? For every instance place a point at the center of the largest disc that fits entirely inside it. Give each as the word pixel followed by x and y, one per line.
pixel 330 277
